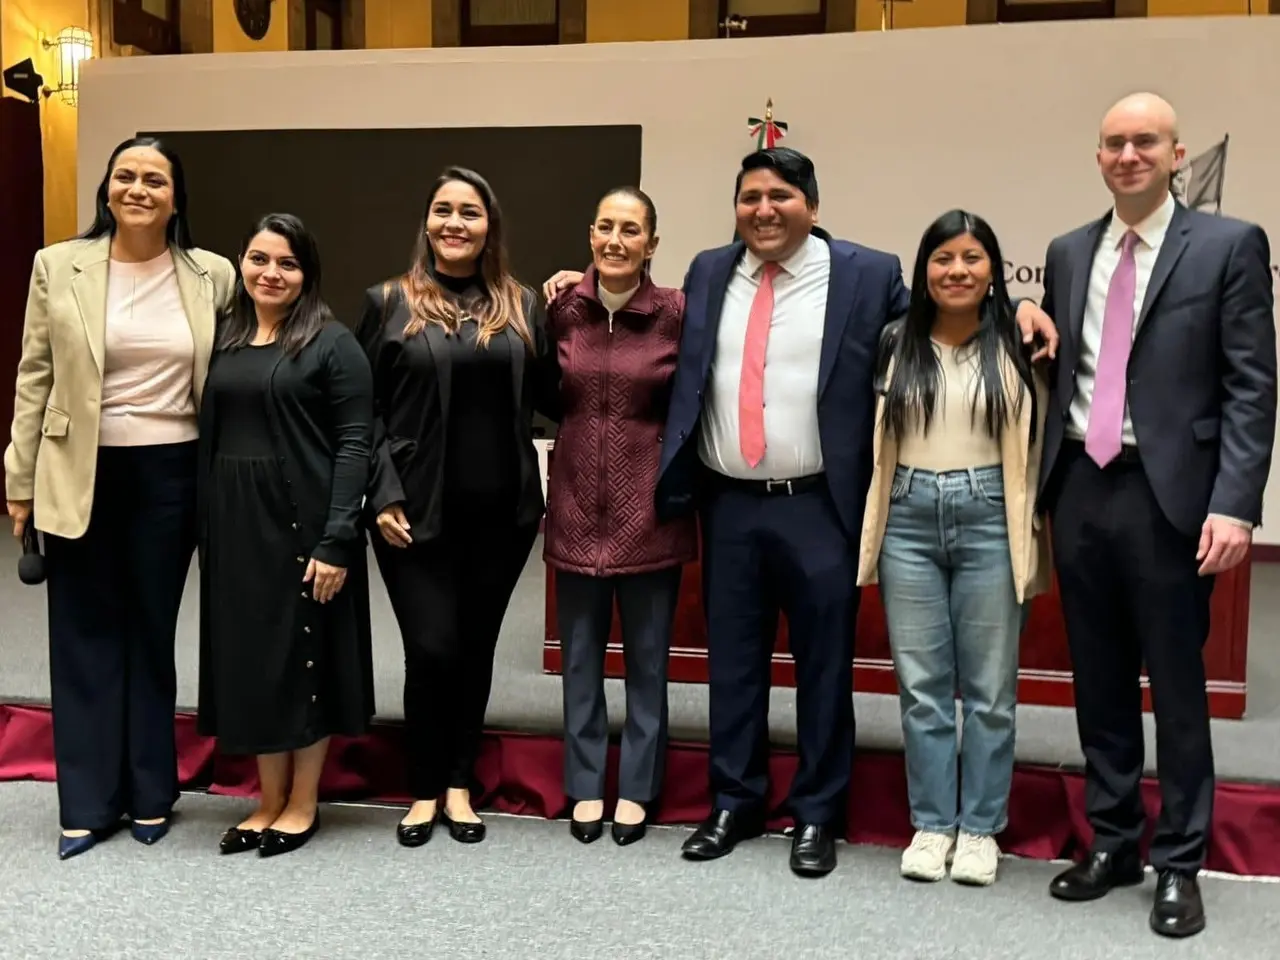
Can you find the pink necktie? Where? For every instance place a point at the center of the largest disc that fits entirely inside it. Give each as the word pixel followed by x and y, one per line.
pixel 751 385
pixel 1102 439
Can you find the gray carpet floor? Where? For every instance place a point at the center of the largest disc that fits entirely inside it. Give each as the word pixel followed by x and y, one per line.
pixel 525 698
pixel 531 893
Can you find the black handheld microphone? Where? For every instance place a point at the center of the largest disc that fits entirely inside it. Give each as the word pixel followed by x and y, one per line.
pixel 31 563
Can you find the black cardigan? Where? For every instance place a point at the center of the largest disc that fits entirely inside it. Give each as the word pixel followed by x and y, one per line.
pixel 411 406
pixel 322 432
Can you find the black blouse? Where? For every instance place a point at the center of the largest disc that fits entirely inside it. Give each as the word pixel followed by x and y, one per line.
pixel 454 423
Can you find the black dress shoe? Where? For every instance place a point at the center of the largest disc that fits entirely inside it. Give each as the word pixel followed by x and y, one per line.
pixel 1096 876
pixel 1178 911
pixel 586 831
pixel 720 833
pixel 813 850
pixel 463 832
pixel 627 833
pixel 276 842
pixel 416 834
pixel 236 840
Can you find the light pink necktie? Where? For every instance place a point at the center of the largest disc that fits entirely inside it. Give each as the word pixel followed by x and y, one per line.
pixel 751 383
pixel 1102 439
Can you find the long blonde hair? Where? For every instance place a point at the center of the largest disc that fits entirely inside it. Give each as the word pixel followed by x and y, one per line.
pixel 502 305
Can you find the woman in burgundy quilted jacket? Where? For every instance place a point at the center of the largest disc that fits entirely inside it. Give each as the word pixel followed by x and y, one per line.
pixel 617 335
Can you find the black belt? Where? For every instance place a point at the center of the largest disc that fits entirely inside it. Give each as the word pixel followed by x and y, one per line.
pixel 1128 453
pixel 771 488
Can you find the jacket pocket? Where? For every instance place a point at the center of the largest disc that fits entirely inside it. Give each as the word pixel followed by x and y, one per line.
pixel 55 423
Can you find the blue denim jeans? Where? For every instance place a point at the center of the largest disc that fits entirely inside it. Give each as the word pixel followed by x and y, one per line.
pixel 946 582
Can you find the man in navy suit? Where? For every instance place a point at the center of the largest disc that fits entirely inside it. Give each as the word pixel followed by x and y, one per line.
pixel 777 459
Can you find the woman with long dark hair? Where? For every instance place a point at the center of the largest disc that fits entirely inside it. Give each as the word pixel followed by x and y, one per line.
pixel 118 331
pixel 460 361
pixel 618 337
pixel 952 531
pixel 286 435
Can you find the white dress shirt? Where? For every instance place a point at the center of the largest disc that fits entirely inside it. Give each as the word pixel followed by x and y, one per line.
pixel 1151 233
pixel 792 446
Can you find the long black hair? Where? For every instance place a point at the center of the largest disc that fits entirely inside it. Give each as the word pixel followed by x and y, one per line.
pixel 917 372
pixel 309 312
pixel 178 230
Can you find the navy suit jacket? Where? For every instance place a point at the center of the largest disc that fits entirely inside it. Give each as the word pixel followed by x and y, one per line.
pixel 865 292
pixel 1202 374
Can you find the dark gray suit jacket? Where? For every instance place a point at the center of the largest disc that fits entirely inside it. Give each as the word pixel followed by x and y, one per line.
pixel 1202 375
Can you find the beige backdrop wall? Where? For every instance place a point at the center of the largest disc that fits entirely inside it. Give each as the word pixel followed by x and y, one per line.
pixel 1001 120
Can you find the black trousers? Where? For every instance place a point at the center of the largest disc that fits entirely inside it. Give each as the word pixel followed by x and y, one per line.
pixel 1131 593
pixel 584 613
pixel 764 554
pixel 449 596
pixel 114 596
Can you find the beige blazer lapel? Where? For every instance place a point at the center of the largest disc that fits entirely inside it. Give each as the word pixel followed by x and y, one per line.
pixel 196 290
pixel 89 287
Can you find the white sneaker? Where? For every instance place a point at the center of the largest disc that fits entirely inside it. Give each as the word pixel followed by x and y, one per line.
pixel 927 857
pixel 976 862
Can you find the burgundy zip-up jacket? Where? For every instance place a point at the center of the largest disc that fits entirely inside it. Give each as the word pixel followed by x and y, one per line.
pixel 615 388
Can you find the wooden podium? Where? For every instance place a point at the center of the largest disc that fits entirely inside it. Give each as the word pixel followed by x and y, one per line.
pixel 1044 676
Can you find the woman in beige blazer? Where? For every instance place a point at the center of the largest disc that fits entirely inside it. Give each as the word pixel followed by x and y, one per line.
pixel 117 336
pixel 952 534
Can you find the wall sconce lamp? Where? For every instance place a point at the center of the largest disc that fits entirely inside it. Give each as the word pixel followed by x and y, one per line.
pixel 72 46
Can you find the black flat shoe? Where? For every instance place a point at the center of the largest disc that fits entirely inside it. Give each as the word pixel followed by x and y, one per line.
pixel 586 831
pixel 276 842
pixel 1178 910
pixel 628 833
pixel 1096 876
pixel 463 832
pixel 236 840
pixel 416 834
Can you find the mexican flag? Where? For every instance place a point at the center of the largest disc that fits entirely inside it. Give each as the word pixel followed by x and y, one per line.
pixel 768 131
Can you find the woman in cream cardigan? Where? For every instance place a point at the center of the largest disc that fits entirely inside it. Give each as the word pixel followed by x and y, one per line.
pixel 952 535
pixel 116 342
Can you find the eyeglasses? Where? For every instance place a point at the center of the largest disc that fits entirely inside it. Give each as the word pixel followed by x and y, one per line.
pixel 1142 142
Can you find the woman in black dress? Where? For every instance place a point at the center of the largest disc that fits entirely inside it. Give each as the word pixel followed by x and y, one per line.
pixel 285 434
pixel 460 360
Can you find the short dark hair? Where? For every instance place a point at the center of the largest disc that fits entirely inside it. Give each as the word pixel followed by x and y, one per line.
pixel 791 165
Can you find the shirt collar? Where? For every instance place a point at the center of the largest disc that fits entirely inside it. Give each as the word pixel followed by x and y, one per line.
pixel 791 266
pixel 1150 230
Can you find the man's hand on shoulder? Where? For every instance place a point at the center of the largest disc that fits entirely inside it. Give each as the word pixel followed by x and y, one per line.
pixel 1034 322
pixel 1224 543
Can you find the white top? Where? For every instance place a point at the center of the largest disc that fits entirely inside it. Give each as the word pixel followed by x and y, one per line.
pixel 1151 233
pixel 147 376
pixel 792 445
pixel 957 438
pixel 613 302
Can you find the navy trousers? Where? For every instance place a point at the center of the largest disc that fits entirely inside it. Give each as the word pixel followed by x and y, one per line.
pixel 765 554
pixel 114 596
